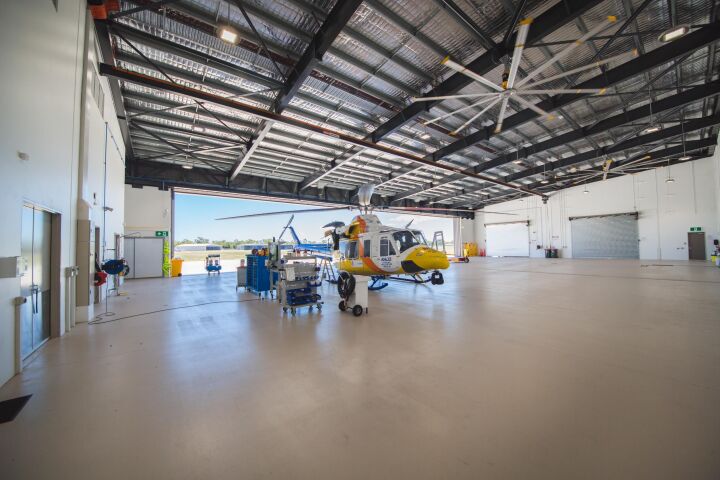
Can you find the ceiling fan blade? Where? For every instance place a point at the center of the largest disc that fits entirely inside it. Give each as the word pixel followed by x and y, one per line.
pixel 622 56
pixel 532 107
pixel 478 78
pixel 606 168
pixel 554 91
pixel 492 104
pixel 441 117
pixel 501 115
pixel 517 53
pixel 285 212
pixel 448 97
pixel 568 50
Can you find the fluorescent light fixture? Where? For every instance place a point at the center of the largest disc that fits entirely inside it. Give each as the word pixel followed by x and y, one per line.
pixel 674 33
pixel 425 136
pixel 187 167
pixel 669 180
pixel 651 129
pixel 543 180
pixel 684 157
pixel 517 162
pixel 227 34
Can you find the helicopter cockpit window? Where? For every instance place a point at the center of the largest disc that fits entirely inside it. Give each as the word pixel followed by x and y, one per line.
pixel 405 240
pixel 351 250
pixel 420 237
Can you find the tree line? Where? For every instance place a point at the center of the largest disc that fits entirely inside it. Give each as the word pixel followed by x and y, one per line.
pixel 227 243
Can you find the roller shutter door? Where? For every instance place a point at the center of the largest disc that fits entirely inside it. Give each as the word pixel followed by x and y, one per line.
pixel 605 236
pixel 508 239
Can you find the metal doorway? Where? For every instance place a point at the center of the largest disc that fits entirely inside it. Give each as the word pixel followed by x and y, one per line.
pixel 605 236
pixel 696 246
pixel 36 283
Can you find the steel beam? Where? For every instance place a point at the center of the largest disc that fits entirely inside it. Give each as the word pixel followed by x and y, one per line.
pixel 690 125
pixel 554 18
pixel 687 97
pixel 165 176
pixel 330 29
pixel 335 163
pixel 106 50
pixel 149 6
pixel 666 133
pixel 163 85
pixel 657 157
pixel 666 53
pixel 666 104
pixel 182 51
pixel 255 142
pixel 467 23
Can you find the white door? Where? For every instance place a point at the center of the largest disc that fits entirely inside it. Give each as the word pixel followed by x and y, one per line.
pixel 508 240
pixel 148 257
pixel 144 256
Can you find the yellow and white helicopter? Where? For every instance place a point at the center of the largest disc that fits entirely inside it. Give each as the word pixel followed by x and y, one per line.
pixel 367 247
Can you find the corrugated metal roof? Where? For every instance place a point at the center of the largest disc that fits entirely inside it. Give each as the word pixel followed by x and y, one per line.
pixel 387 53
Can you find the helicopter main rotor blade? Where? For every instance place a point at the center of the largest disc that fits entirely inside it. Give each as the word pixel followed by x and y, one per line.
pixel 449 209
pixel 285 212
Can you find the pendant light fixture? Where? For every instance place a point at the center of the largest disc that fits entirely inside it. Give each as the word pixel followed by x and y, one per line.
pixel 685 156
pixel 652 127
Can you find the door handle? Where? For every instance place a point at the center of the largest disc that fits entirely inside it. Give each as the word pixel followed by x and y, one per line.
pixel 34 290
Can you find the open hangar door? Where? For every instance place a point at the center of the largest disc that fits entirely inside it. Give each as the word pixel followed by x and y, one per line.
pixel 605 236
pixel 509 239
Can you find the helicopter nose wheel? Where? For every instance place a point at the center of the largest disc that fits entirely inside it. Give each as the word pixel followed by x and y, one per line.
pixel 436 278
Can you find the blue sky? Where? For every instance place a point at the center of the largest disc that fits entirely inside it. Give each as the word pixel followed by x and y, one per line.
pixel 195 217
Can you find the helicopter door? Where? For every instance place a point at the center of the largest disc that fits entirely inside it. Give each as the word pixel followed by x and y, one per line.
pixel 388 259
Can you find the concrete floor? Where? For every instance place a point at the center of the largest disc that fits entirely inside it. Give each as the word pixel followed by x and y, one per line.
pixel 515 368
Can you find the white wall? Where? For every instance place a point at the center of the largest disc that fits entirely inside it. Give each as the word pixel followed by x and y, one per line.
pixel 146 210
pixel 666 210
pixel 42 62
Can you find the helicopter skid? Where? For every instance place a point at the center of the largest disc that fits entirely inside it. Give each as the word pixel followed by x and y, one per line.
pixel 436 278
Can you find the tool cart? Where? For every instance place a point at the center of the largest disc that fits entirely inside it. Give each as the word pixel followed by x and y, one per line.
pixel 298 282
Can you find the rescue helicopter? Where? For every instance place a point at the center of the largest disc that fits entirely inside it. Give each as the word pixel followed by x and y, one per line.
pixel 367 247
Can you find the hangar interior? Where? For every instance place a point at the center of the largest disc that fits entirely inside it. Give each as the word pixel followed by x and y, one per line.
pixel 573 143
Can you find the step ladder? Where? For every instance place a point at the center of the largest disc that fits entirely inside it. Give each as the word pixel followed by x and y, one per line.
pixel 438 241
pixel 327 271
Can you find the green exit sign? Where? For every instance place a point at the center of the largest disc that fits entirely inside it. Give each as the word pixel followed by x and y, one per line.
pixel 161 233
pixel 696 229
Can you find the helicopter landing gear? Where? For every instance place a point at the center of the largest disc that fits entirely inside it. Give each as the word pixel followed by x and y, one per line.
pixel 377 283
pixel 436 278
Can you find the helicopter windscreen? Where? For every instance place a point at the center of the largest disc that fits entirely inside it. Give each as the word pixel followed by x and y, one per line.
pixel 404 240
pixel 420 237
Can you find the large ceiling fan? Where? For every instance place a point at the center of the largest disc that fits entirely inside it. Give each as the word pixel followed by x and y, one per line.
pixel 518 91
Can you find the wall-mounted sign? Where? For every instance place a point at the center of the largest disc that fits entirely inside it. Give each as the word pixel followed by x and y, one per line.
pixel 161 233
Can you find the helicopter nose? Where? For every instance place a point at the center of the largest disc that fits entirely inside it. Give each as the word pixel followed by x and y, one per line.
pixel 435 261
pixel 426 259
